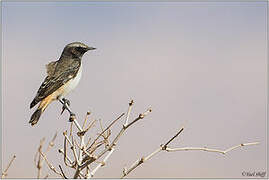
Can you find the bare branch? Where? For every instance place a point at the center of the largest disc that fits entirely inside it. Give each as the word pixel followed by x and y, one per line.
pixel 4 174
pixel 128 112
pixel 39 162
pixel 77 159
pixel 167 149
pixel 49 164
pixel 83 155
pixel 66 158
pixel 89 140
pixel 102 163
pixel 86 119
pixel 209 149
pixel 113 122
pixel 170 140
pixel 139 162
pixel 101 126
pixel 143 159
pixel 72 164
pixel 141 116
pixel 74 151
pixel 77 124
pixel 87 175
pixel 82 133
pixel 71 129
pixel 62 172
pixel 51 143
pixel 66 137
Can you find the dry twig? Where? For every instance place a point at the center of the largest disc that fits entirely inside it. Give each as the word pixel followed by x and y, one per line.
pixel 49 164
pixel 128 112
pixel 40 160
pixel 167 149
pixel 102 163
pixel 4 174
pixel 143 159
pixel 109 126
pixel 124 128
pixel 84 154
pixel 210 149
pixel 87 161
pixel 62 172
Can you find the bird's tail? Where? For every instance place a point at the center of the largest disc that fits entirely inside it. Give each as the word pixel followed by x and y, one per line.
pixel 35 117
pixel 41 108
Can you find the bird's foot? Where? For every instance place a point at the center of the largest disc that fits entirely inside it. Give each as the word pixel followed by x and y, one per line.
pixel 66 103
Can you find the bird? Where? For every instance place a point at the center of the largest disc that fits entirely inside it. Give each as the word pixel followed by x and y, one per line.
pixel 62 77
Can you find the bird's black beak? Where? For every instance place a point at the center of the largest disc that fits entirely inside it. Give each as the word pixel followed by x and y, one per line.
pixel 90 48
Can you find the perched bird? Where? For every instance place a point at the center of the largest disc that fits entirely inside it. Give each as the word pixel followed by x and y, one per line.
pixel 62 77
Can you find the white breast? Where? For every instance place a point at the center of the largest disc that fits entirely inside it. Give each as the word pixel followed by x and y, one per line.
pixel 72 84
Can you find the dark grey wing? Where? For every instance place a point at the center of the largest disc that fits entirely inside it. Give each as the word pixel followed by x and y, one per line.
pixel 52 83
pixel 51 68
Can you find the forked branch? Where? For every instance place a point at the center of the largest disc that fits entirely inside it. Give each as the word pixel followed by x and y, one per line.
pixel 4 173
pixel 88 158
pixel 210 149
pixel 113 143
pixel 167 149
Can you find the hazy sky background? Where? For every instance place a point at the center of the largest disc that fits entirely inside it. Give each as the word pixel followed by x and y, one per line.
pixel 199 64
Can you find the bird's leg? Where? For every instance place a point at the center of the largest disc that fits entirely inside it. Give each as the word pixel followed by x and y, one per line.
pixel 66 104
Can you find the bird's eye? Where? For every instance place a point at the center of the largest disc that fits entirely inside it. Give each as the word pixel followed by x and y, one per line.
pixel 78 48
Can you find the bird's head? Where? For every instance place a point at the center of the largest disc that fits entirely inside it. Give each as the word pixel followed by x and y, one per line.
pixel 76 49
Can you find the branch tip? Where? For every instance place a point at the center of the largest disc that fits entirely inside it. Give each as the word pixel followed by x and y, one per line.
pixel 131 102
pixel 141 160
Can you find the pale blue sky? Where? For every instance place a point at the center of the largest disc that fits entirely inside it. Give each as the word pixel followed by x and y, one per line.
pixel 202 63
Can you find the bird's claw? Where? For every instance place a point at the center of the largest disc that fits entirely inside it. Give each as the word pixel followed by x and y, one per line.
pixel 66 102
